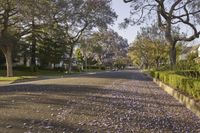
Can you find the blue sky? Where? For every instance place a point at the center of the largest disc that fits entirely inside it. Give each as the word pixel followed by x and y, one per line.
pixel 123 10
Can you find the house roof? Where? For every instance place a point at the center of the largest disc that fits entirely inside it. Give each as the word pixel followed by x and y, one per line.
pixel 195 47
pixel 187 50
pixel 197 59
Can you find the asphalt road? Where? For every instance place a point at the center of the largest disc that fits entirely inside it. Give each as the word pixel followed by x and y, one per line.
pixel 106 102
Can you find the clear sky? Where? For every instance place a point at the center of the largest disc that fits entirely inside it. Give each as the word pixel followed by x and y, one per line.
pixel 123 10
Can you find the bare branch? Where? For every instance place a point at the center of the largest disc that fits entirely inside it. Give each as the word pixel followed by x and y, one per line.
pixel 190 38
pixel 127 1
pixel 173 7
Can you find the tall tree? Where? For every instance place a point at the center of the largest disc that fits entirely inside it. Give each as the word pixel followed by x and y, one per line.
pixel 86 46
pixel 55 50
pixel 35 17
pixel 9 30
pixel 150 48
pixel 147 53
pixel 76 17
pixel 79 58
pixel 170 14
pixel 106 46
pixel 14 23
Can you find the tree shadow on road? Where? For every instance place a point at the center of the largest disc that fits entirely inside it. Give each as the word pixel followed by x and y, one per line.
pixel 128 75
pixel 84 108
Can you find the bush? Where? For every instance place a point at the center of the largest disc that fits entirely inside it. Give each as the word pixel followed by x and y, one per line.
pixel 2 67
pixel 21 68
pixel 59 69
pixel 188 65
pixel 96 67
pixel 190 74
pixel 188 85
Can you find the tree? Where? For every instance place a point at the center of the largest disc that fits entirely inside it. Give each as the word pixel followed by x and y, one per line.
pixel 9 30
pixel 2 59
pixel 150 48
pixel 121 62
pixel 106 46
pixel 155 38
pixel 192 56
pixel 13 25
pixel 79 58
pixel 91 48
pixel 76 17
pixel 29 22
pixel 35 18
pixel 55 52
pixel 147 53
pixel 170 14
pixel 87 48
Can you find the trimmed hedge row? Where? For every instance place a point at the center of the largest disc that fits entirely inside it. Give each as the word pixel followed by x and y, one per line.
pixel 190 73
pixel 186 85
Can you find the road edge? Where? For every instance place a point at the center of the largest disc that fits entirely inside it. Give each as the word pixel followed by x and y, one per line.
pixel 185 100
pixel 190 103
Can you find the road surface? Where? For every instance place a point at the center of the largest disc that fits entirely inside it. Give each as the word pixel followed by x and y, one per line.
pixel 106 102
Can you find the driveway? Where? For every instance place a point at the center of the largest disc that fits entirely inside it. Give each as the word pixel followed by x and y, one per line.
pixel 105 102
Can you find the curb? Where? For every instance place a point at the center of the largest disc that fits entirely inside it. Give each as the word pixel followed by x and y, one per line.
pixel 185 100
pixel 3 83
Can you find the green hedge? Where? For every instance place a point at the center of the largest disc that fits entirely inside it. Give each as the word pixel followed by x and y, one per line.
pixel 189 73
pixel 96 67
pixel 189 86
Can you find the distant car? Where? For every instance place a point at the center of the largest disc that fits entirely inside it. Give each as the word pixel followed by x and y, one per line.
pixel 115 69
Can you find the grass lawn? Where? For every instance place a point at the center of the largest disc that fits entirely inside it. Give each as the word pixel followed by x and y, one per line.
pixel 28 75
pixel 16 78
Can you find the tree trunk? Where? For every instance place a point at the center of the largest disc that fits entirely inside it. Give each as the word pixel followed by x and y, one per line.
pixel 33 48
pixel 172 44
pixel 70 59
pixel 157 61
pixel 7 51
pixel 54 65
pixel 25 60
pixel 33 56
pixel 86 64
pixel 172 56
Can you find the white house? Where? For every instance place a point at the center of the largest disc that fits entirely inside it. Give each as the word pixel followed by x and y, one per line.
pixel 189 50
pixel 199 51
pixel 184 53
pixel 198 58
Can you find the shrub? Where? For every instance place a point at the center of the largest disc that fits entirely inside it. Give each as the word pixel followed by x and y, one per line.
pixel 21 68
pixel 190 73
pixel 188 85
pixel 96 67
